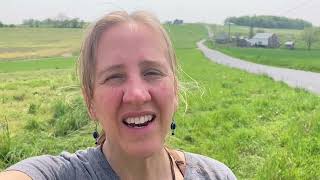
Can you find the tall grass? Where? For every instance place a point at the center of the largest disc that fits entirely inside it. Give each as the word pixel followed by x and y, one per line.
pixel 69 116
pixel 5 141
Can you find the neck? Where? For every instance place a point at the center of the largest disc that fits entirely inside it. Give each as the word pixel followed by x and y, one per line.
pixel 156 166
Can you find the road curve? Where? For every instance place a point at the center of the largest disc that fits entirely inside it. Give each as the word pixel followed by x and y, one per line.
pixel 294 78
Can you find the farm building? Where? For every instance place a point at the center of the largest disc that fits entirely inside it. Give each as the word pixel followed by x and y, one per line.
pixel 242 42
pixel 270 40
pixel 289 44
pixel 178 21
pixel 222 38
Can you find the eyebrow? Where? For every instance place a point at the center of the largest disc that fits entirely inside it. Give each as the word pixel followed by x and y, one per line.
pixel 117 67
pixel 150 63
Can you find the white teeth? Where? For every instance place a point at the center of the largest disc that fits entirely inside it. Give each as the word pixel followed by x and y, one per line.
pixel 131 120
pixel 138 120
pixel 141 119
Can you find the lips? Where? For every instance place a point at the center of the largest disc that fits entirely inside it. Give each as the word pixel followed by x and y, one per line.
pixel 138 121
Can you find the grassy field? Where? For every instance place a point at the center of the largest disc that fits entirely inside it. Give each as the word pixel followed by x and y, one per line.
pixel 21 43
pixel 295 59
pixel 260 128
pixel 299 58
pixel 37 64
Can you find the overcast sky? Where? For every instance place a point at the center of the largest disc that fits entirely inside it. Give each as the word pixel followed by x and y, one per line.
pixel 211 11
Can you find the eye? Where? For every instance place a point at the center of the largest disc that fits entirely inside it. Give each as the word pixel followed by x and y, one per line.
pixel 153 73
pixel 114 78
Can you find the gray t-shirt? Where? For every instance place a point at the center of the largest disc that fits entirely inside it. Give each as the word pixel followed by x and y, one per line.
pixel 90 164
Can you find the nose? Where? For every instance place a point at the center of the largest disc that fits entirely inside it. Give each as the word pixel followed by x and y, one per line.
pixel 136 93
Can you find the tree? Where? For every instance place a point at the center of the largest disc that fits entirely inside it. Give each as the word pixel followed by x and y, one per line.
pixel 309 35
pixel 1 25
pixel 269 22
pixel 251 32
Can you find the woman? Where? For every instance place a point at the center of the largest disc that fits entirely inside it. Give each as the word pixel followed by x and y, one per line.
pixel 128 76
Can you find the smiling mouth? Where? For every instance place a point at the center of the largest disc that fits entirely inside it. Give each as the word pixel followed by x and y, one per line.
pixel 139 122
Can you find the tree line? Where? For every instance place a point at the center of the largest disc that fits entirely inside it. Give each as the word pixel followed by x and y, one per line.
pixel 6 25
pixel 66 23
pixel 49 23
pixel 269 22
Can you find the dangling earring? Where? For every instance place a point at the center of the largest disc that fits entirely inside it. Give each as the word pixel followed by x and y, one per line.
pixel 173 126
pixel 95 133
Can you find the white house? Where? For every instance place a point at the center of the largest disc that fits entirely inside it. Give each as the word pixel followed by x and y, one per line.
pixel 265 40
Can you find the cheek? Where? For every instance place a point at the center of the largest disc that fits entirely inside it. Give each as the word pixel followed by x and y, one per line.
pixel 107 100
pixel 165 95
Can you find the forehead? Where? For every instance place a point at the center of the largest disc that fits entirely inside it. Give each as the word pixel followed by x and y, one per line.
pixel 130 40
pixel 131 32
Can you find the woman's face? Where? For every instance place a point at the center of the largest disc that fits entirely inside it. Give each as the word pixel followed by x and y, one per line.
pixel 134 94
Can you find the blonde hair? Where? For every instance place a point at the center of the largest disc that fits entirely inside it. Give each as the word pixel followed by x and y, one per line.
pixel 87 59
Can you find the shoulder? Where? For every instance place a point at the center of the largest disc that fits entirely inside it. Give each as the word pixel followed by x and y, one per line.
pixel 202 167
pixel 83 164
pixel 42 167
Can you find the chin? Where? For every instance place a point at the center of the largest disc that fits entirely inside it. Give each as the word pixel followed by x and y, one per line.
pixel 144 150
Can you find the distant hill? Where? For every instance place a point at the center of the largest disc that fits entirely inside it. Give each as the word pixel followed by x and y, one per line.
pixel 269 22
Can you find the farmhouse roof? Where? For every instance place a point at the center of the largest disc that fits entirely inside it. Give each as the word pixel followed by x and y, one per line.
pixel 262 36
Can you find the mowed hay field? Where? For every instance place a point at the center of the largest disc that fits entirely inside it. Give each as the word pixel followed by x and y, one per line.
pixel 21 43
pixel 260 128
pixel 299 58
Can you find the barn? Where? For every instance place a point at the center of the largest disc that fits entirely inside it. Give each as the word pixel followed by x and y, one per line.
pixel 269 40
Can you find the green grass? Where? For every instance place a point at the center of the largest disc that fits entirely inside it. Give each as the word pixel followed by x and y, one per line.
pixel 295 59
pixel 37 64
pixel 260 128
pixel 251 123
pixel 185 36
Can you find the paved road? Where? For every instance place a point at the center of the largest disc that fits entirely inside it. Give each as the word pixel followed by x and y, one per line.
pixel 294 78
